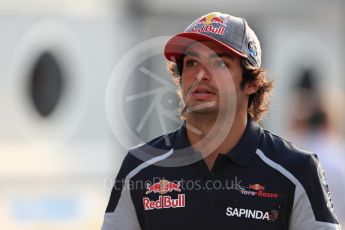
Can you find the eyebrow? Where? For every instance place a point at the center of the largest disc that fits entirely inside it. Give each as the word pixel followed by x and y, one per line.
pixel 221 55
pixel 193 54
pixel 213 55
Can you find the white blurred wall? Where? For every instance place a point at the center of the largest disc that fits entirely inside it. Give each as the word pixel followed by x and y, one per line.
pixel 53 169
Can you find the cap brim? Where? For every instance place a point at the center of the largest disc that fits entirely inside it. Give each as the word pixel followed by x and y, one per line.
pixel 175 47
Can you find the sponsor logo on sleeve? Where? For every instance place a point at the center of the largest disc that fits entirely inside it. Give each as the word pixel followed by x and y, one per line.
pixel 322 175
pixel 329 202
pixel 323 180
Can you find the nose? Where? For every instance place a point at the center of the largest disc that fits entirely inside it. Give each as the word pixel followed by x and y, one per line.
pixel 203 74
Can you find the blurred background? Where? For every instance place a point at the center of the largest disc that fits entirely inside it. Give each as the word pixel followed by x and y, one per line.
pixel 59 147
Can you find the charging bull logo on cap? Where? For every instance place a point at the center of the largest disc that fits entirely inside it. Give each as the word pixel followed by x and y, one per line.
pixel 211 19
pixel 211 23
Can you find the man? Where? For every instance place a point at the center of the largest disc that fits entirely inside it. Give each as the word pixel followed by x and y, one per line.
pixel 220 170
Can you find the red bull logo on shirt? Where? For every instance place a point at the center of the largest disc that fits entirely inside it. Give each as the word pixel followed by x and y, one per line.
pixel 163 187
pixel 164 202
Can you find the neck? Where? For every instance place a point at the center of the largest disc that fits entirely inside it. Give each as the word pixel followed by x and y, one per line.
pixel 210 138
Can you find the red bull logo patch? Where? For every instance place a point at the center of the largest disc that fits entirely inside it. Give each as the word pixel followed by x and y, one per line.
pixel 163 187
pixel 164 202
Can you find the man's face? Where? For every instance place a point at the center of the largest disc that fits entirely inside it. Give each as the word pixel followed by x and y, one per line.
pixel 211 76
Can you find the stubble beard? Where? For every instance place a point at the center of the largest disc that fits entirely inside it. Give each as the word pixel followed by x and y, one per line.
pixel 202 107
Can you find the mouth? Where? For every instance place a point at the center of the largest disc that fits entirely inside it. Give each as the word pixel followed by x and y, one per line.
pixel 202 92
pixel 203 89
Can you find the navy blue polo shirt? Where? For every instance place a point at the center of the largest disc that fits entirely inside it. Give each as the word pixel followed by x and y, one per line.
pixel 264 182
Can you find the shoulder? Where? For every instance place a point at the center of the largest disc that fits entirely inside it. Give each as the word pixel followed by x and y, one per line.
pixel 285 155
pixel 155 148
pixel 312 207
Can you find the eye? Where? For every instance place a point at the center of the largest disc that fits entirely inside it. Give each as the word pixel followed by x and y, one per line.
pixel 191 62
pixel 220 63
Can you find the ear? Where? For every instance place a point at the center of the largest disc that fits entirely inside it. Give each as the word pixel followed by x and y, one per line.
pixel 251 88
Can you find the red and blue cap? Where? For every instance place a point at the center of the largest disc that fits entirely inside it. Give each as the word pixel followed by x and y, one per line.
pixel 230 32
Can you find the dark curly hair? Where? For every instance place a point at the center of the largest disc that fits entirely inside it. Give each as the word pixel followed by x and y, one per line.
pixel 258 102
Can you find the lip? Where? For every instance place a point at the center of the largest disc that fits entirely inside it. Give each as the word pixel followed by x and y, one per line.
pixel 202 93
pixel 203 89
